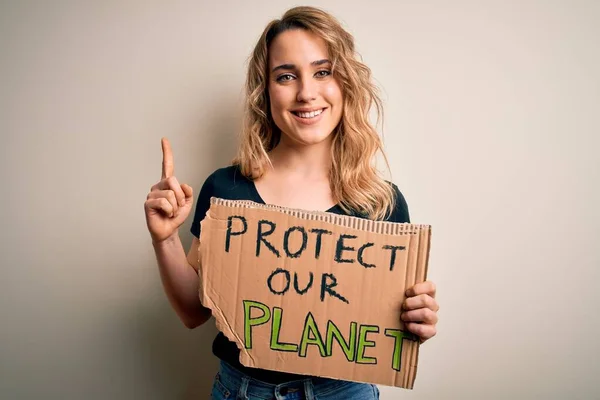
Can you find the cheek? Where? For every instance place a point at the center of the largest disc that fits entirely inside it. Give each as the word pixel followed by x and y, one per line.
pixel 277 106
pixel 279 98
pixel 333 94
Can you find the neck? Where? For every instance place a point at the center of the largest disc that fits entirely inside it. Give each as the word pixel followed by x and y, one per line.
pixel 310 161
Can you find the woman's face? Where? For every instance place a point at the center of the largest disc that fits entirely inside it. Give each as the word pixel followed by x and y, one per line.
pixel 305 99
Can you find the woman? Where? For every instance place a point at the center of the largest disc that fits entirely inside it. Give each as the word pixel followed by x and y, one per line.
pixel 307 143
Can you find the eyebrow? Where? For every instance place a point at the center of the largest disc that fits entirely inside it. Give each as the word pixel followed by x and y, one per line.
pixel 292 66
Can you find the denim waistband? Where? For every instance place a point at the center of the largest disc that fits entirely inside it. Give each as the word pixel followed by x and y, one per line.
pixel 303 389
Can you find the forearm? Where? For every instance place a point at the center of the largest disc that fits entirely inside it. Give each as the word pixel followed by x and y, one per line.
pixel 180 281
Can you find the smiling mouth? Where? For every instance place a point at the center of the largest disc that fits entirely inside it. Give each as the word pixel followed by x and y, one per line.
pixel 308 115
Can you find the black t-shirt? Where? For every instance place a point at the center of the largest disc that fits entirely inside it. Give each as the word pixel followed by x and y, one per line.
pixel 229 183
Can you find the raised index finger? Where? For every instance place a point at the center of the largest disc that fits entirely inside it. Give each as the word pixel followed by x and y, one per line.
pixel 167 162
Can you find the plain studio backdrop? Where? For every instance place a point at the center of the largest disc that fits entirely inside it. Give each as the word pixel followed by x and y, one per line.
pixel 491 127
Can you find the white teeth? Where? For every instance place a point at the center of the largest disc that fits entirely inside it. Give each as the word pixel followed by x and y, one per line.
pixel 311 114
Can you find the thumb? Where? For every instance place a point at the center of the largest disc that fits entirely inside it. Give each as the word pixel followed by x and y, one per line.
pixel 188 191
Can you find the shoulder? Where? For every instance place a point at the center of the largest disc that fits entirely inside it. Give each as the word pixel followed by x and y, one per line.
pixel 228 183
pixel 399 212
pixel 224 175
pixel 225 178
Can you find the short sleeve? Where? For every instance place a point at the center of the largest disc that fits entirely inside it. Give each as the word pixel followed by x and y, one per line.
pixel 203 204
pixel 400 212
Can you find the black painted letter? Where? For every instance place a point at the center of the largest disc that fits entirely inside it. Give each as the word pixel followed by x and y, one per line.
pixel 230 233
pixel 319 233
pixel 287 281
pixel 339 248
pixel 310 282
pixel 286 241
pixel 360 255
pixel 393 256
pixel 327 287
pixel 260 237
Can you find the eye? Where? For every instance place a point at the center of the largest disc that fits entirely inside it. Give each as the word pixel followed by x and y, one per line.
pixel 285 77
pixel 323 73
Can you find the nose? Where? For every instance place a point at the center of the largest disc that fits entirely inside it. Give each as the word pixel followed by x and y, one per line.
pixel 307 91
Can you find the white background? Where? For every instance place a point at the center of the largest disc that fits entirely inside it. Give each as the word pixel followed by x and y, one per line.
pixel 492 132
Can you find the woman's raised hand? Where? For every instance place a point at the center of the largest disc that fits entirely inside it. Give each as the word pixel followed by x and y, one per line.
pixel 168 204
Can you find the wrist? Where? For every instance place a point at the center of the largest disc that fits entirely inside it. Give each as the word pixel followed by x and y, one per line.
pixel 168 241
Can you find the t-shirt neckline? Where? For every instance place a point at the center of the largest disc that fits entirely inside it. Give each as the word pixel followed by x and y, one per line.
pixel 261 201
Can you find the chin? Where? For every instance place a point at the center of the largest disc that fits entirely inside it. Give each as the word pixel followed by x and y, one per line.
pixel 309 138
pixel 309 135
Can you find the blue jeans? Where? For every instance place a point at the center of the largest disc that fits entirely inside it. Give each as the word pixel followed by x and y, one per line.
pixel 233 384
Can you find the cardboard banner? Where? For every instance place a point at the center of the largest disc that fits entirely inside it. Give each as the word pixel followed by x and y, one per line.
pixel 313 293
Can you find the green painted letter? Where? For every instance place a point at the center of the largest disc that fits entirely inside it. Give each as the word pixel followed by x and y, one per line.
pixel 249 322
pixel 348 347
pixel 398 335
pixel 311 327
pixel 275 328
pixel 363 343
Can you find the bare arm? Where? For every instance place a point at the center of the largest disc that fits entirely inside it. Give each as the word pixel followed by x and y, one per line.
pixel 167 206
pixel 179 277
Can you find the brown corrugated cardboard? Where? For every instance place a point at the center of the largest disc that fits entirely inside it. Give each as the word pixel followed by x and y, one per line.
pixel 313 293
